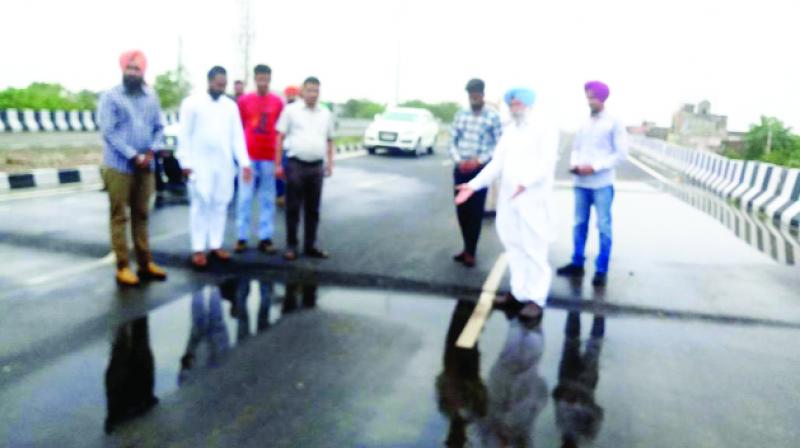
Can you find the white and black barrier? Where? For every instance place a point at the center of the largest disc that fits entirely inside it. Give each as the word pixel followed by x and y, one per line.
pixel 29 120
pixel 757 186
pixel 85 174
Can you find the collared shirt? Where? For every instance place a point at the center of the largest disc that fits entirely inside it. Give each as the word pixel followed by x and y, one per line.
pixel 306 131
pixel 602 143
pixel 130 124
pixel 259 116
pixel 475 136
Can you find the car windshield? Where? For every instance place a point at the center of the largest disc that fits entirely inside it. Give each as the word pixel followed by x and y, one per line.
pixel 402 116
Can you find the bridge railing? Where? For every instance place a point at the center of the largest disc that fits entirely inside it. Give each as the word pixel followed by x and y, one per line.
pixel 756 186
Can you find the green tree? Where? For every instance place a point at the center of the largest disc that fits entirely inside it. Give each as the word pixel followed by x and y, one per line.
pixel 443 111
pixel 171 87
pixel 361 109
pixel 768 136
pixel 40 95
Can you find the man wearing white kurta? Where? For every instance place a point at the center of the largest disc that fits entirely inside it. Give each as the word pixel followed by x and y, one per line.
pixel 211 139
pixel 524 161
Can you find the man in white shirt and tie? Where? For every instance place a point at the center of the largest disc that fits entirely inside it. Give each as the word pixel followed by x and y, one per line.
pixel 599 146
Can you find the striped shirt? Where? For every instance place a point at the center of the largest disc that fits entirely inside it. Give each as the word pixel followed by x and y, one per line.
pixel 475 136
pixel 130 124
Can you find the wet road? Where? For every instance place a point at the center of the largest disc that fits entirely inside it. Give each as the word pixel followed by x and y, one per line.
pixel 691 344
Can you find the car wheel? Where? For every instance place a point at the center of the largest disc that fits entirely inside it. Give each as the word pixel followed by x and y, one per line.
pixel 418 148
pixel 371 151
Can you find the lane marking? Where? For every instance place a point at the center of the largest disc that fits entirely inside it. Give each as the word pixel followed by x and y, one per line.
pixel 17 196
pixel 73 270
pixel 651 171
pixel 469 336
pixel 50 192
pixel 82 268
pixel 166 236
pixel 359 153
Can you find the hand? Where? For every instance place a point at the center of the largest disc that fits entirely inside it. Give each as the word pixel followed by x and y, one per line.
pixel 329 170
pixel 464 193
pixel 187 172
pixel 279 172
pixel 247 174
pixel 142 161
pixel 585 170
pixel 520 189
pixel 469 166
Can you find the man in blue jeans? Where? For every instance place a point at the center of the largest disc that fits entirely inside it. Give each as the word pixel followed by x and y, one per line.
pixel 260 112
pixel 599 146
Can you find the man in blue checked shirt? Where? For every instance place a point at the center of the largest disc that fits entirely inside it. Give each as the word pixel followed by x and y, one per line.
pixel 130 123
pixel 475 135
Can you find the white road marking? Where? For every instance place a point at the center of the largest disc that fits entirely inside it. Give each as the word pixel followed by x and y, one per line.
pixel 169 235
pixel 91 265
pixel 352 155
pixel 70 271
pixel 50 192
pixel 16 196
pixel 469 336
pixel 651 171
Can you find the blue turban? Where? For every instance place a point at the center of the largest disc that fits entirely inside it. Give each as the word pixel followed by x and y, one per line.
pixel 527 96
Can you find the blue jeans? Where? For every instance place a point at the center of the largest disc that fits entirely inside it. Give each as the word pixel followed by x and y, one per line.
pixel 263 187
pixel 280 184
pixel 601 198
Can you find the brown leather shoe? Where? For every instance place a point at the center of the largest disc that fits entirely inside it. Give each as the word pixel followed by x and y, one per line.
pixel 126 277
pixel 199 260
pixel 221 255
pixel 153 272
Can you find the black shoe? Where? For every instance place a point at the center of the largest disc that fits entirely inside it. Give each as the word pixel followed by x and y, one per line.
pixel 241 246
pixel 600 279
pixel 531 314
pixel 571 270
pixel 459 258
pixel 267 247
pixel 315 253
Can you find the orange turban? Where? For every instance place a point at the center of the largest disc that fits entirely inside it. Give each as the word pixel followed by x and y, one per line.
pixel 134 56
pixel 291 91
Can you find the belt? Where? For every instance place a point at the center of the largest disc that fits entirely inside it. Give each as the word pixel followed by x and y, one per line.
pixel 304 162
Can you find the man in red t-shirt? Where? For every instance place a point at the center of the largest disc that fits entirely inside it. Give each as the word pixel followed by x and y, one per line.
pixel 260 112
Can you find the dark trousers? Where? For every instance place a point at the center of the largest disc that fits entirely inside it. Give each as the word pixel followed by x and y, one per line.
pixel 470 213
pixel 303 189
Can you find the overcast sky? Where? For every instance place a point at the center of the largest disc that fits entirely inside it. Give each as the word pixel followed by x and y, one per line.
pixel 655 55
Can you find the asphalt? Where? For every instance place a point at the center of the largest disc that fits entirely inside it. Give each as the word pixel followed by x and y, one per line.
pixel 697 349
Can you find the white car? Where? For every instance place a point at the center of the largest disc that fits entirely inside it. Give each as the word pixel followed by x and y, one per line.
pixel 410 130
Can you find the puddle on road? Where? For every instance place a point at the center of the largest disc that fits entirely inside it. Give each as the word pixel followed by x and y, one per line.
pixel 403 383
pixel 114 382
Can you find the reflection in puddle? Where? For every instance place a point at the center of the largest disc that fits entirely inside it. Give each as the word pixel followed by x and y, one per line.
pixel 219 319
pixel 130 376
pixel 775 241
pixel 578 416
pixel 495 401
pixel 503 410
